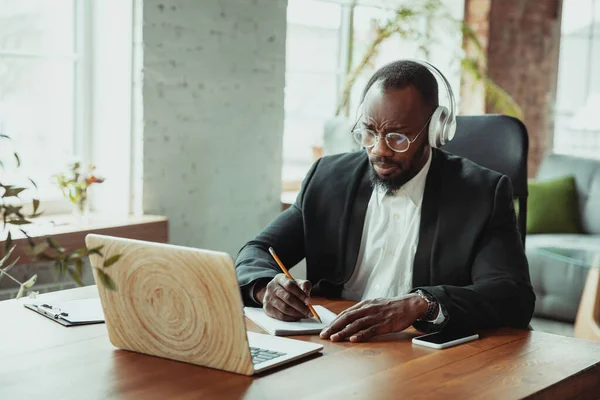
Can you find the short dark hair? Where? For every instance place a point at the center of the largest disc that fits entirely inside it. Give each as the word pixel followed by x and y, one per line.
pixel 403 73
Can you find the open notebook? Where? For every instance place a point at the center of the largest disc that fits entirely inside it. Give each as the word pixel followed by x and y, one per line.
pixel 309 326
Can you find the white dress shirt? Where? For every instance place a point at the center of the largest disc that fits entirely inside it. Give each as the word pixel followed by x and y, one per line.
pixel 384 266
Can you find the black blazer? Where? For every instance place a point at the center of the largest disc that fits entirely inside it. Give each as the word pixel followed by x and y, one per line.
pixel 469 256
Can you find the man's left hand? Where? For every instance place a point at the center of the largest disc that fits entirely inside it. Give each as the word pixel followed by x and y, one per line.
pixel 371 318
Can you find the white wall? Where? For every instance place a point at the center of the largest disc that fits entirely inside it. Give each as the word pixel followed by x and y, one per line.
pixel 212 92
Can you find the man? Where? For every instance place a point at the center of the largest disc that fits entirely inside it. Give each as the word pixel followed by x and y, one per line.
pixel 422 237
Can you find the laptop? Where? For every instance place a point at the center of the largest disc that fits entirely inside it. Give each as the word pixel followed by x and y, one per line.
pixel 183 304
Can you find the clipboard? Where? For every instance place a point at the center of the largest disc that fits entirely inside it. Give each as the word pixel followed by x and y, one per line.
pixel 71 313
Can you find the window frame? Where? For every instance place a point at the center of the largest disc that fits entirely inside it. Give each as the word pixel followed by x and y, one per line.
pixel 592 37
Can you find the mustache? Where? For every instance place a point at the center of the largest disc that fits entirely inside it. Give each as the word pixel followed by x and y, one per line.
pixel 383 162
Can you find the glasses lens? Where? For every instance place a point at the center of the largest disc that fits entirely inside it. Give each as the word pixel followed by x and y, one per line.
pixel 364 137
pixel 397 141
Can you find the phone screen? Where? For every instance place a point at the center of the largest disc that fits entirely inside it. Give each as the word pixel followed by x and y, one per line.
pixel 444 337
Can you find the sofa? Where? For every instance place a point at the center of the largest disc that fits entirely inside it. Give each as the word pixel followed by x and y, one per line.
pixel 559 285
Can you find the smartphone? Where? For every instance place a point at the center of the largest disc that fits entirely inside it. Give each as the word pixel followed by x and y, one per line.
pixel 442 340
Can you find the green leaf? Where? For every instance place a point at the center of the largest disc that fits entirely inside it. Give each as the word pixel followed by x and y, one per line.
pixel 36 204
pixel 7 255
pixel 18 222
pixel 47 257
pixel 106 280
pixel 56 266
pixel 111 261
pixel 76 276
pixel 95 250
pixel 30 282
pixel 18 160
pixel 29 239
pixel 12 210
pixel 8 242
pixel 79 266
pixel 8 267
pixel 12 191
pixel 53 244
pixel 40 248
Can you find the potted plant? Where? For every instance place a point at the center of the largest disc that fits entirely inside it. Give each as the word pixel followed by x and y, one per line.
pixel 47 249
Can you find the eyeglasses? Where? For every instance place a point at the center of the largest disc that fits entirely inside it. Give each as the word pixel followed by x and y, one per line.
pixel 397 142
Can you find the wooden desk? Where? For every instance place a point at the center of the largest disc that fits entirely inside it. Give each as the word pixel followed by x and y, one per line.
pixel 40 359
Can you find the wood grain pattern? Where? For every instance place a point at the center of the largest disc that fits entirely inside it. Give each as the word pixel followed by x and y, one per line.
pixel 195 313
pixel 71 236
pixel 41 359
pixel 587 325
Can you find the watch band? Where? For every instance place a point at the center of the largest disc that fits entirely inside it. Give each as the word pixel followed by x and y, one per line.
pixel 432 305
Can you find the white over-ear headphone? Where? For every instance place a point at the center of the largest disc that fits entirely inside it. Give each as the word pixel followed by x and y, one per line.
pixel 442 126
pixel 443 121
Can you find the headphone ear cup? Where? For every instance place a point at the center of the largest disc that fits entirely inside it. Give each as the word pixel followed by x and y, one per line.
pixel 437 127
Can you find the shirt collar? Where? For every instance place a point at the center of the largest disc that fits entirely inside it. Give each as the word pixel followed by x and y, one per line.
pixel 414 188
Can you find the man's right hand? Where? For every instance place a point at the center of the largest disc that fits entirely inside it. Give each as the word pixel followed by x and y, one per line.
pixel 285 299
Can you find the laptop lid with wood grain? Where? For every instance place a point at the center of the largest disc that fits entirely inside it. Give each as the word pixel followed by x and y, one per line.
pixel 173 302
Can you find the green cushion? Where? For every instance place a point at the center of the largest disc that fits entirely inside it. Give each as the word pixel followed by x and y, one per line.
pixel 552 206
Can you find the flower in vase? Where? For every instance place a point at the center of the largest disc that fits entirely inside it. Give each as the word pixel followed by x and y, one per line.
pixel 75 183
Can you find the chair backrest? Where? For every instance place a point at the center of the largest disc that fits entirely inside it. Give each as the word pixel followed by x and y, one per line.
pixel 500 143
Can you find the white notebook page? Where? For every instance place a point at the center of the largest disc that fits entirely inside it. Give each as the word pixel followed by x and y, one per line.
pixel 280 328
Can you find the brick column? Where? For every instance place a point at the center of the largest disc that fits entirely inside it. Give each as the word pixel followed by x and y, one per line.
pixel 521 39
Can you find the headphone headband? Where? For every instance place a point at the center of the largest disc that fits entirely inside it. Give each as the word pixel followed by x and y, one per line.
pixel 449 93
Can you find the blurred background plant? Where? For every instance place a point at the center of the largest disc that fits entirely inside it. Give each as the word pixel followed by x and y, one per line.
pixel 18 213
pixel 407 22
pixel 74 185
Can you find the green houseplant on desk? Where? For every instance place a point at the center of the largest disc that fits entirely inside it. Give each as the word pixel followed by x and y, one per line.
pixel 16 215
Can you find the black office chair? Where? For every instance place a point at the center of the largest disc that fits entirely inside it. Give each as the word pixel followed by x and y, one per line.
pixel 500 143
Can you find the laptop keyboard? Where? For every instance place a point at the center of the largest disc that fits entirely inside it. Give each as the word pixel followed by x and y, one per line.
pixel 262 355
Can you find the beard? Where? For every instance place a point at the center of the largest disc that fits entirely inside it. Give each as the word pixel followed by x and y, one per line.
pixel 391 185
pixel 387 185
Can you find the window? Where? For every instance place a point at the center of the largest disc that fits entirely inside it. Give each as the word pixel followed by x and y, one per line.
pixel 43 102
pixel 577 129
pixel 317 46
pixel 312 79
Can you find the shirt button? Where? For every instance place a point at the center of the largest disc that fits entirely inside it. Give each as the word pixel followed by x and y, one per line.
pixel 396 216
pixel 377 287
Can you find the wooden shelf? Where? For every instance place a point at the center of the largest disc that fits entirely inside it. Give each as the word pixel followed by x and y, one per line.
pixel 71 234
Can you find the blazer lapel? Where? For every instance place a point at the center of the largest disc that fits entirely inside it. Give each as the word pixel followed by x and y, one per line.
pixel 359 199
pixel 429 223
